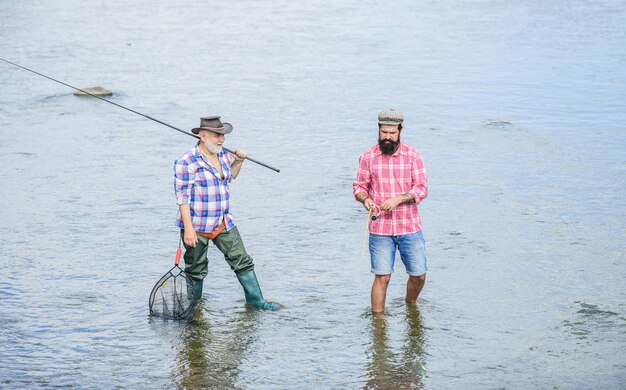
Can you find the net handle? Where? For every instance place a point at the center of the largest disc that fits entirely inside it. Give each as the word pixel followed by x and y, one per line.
pixel 178 253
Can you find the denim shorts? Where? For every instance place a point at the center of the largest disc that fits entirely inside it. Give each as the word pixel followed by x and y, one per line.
pixel 412 249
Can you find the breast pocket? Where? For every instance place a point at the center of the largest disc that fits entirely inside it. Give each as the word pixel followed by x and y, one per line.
pixel 199 186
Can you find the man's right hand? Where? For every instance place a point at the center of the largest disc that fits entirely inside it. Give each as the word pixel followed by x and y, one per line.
pixel 191 239
pixel 368 204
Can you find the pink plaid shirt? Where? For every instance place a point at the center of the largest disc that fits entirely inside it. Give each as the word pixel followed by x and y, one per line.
pixel 382 177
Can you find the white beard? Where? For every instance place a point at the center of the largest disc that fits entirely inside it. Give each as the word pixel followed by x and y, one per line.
pixel 212 148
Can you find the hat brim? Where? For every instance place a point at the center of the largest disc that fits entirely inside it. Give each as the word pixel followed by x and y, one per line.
pixel 220 130
pixel 389 123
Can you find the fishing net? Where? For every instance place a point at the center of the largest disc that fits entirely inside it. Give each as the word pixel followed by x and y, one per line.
pixel 173 295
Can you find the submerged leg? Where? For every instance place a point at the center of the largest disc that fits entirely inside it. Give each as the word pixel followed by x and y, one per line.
pixel 231 245
pixel 252 291
pixel 379 292
pixel 197 263
pixel 197 288
pixel 414 286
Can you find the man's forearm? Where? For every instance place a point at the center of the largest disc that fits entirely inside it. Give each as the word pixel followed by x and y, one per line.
pixel 361 196
pixel 185 215
pixel 235 168
pixel 407 198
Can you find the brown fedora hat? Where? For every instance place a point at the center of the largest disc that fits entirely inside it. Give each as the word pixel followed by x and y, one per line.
pixel 214 124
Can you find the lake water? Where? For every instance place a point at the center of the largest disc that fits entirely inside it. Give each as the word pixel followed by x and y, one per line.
pixel 518 108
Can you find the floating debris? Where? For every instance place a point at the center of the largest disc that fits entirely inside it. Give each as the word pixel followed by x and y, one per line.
pixel 98 91
pixel 499 123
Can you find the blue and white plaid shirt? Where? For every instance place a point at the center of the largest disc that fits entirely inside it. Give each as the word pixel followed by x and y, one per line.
pixel 198 184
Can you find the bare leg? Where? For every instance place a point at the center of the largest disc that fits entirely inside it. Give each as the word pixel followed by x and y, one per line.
pixel 379 292
pixel 414 286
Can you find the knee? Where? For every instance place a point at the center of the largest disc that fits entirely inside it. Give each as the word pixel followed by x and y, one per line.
pixel 240 264
pixel 243 269
pixel 419 279
pixel 383 279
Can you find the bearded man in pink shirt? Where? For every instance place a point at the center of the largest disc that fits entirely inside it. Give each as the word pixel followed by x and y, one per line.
pixel 392 180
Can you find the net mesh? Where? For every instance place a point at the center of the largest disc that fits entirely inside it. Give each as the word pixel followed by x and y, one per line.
pixel 173 296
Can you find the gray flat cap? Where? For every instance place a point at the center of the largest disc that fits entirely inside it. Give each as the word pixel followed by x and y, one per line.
pixel 390 117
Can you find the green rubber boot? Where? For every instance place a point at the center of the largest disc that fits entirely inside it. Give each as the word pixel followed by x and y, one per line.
pixel 254 296
pixel 197 288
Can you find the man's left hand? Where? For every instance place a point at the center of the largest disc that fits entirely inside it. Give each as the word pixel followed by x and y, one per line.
pixel 391 203
pixel 240 155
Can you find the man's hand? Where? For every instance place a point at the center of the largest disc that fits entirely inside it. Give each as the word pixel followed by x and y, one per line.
pixel 369 204
pixel 240 155
pixel 391 203
pixel 191 239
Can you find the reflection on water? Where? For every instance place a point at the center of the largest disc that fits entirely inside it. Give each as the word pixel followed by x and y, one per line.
pixel 397 370
pixel 209 358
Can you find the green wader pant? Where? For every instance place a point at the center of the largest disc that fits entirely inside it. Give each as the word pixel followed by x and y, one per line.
pixel 228 242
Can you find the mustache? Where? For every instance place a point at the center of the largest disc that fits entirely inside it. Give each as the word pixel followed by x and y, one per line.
pixel 212 148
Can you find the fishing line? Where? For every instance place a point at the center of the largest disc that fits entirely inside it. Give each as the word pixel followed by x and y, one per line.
pixel 128 109
pixel 372 215
pixel 367 228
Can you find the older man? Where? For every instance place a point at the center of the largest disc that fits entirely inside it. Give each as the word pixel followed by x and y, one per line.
pixel 202 178
pixel 392 179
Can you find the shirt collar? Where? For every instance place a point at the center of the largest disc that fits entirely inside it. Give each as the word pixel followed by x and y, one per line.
pixel 220 157
pixel 196 150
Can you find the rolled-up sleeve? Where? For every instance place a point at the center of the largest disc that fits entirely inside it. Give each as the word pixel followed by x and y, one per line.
pixel 183 181
pixel 419 191
pixel 363 178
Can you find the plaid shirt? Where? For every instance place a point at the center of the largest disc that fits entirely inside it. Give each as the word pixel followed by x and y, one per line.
pixel 382 177
pixel 199 185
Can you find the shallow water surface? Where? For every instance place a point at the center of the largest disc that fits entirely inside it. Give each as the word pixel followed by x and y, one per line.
pixel 517 108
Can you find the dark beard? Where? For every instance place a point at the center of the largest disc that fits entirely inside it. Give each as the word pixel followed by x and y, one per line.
pixel 388 147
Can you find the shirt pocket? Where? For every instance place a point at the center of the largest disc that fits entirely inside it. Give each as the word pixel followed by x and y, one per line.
pixel 201 184
pixel 374 172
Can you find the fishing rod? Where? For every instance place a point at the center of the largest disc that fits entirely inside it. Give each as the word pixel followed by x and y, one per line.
pixel 133 111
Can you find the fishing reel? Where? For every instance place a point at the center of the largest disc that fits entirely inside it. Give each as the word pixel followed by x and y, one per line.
pixel 375 213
